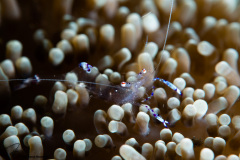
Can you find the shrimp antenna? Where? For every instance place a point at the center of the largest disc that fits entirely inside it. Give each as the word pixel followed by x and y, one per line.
pixel 165 41
pixel 62 80
pixel 58 80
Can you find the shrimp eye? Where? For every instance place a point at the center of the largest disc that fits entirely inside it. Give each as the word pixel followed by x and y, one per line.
pixel 123 84
pixel 144 71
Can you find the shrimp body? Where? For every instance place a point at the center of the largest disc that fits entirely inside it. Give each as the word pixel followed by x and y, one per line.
pixel 119 94
pixel 125 92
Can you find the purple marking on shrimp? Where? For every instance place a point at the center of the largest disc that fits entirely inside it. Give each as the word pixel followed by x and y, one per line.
pixel 85 66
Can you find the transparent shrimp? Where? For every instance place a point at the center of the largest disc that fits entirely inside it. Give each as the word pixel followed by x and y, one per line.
pixel 119 94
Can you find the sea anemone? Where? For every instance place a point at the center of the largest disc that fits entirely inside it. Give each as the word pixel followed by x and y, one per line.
pixel 179 71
